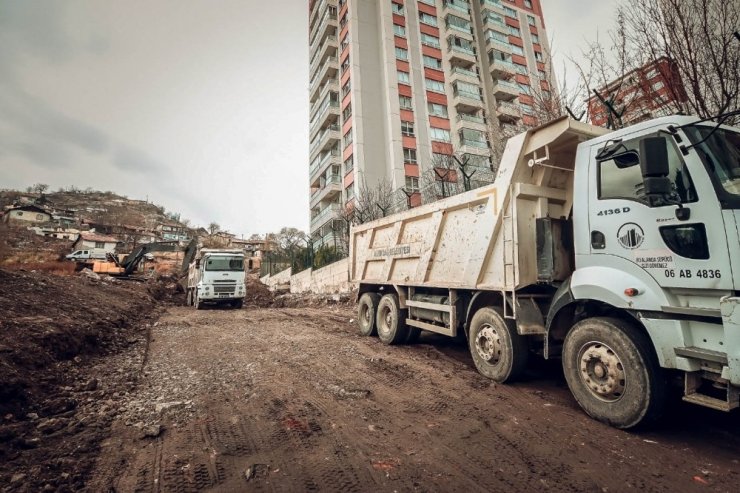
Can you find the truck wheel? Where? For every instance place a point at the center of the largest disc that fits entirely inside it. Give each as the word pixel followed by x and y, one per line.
pixel 238 304
pixel 498 351
pixel 189 298
pixel 391 320
pixel 613 373
pixel 198 304
pixel 367 308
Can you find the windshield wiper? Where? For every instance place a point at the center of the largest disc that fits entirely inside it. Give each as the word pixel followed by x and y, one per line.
pixel 721 119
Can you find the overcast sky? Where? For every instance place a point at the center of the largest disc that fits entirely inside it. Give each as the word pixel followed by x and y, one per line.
pixel 201 106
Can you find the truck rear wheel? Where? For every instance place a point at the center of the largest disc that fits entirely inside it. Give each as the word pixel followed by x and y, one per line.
pixel 498 351
pixel 391 321
pixel 613 373
pixel 367 309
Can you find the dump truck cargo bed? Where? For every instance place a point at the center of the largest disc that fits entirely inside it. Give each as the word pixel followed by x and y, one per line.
pixel 499 237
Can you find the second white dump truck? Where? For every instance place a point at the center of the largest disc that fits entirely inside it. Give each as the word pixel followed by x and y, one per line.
pixel 216 276
pixel 617 252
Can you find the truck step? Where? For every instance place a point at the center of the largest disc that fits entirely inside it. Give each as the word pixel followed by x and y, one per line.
pixel 711 402
pixel 701 354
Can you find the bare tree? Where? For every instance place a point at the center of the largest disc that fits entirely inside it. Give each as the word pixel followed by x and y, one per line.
pixel 213 228
pixel 40 188
pixel 698 36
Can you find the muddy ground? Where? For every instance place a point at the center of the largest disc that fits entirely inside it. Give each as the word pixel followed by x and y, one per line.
pixel 293 399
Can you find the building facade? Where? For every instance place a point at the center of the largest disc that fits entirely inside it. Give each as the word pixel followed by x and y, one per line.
pixel 398 86
pixel 651 91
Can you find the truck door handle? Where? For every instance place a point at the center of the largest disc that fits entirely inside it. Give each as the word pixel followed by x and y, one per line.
pixel 598 240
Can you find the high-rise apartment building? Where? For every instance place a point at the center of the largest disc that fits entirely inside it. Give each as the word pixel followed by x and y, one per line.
pixel 399 85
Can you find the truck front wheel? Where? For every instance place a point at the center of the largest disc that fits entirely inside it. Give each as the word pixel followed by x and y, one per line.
pixel 613 373
pixel 198 304
pixel 367 309
pixel 391 321
pixel 498 351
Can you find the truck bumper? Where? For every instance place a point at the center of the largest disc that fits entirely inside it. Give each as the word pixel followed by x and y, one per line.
pixel 730 309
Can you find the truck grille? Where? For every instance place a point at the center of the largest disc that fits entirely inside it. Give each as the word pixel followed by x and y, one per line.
pixel 224 289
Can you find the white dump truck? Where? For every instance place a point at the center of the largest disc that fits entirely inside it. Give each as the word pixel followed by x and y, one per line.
pixel 617 252
pixel 216 276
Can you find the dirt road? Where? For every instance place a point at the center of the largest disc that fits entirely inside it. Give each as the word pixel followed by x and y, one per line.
pixel 296 400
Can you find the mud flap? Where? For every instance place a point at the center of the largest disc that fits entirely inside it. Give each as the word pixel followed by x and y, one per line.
pixel 730 309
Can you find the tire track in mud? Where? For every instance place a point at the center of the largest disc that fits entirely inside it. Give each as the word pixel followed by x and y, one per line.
pixel 294 400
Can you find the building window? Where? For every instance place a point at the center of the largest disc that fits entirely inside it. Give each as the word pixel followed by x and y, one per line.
pixel 524 88
pixel 497 36
pixel 347 139
pixel 434 85
pixel 432 62
pixel 440 134
pixel 347 87
pixel 658 85
pixel 404 102
pixel 347 112
pixel 407 129
pixel 520 69
pixel 403 77
pixel 399 30
pixel 412 184
pixel 425 18
pixel 517 50
pixel 530 20
pixel 429 40
pixel 538 56
pixel 510 12
pixel 528 4
pixel 535 39
pixel 514 31
pixel 409 155
pixel 439 110
pixel 99 244
pixel 349 163
pixel 402 54
pixel 397 8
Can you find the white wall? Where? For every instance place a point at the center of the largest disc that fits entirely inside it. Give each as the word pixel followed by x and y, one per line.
pixel 333 278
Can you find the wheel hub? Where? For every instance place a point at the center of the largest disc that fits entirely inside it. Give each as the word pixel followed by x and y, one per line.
pixel 488 344
pixel 601 371
pixel 385 320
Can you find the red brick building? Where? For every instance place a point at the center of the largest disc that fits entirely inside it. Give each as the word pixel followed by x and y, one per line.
pixel 652 90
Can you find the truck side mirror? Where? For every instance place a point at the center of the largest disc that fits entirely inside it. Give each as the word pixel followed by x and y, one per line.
pixel 654 157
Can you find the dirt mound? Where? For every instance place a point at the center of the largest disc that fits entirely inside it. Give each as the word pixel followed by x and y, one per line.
pixel 314 300
pixel 167 288
pixel 258 295
pixel 51 329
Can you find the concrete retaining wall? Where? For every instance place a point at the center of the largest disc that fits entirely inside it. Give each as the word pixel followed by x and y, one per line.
pixel 334 278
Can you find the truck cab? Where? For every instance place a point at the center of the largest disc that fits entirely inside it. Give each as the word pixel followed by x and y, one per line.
pixel 217 277
pixel 656 221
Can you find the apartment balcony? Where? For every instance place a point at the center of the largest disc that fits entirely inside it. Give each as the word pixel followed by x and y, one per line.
pixel 464 75
pixel 504 90
pixel 330 47
pixel 320 164
pixel 331 188
pixel 331 85
pixel 475 147
pixel 328 112
pixel 497 45
pixel 328 70
pixel 502 69
pixel 467 102
pixel 508 112
pixel 318 11
pixel 473 121
pixel 459 8
pixel 494 19
pixel 328 25
pixel 325 140
pixel 329 213
pixel 462 57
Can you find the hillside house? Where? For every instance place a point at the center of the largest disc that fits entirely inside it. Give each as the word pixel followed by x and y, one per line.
pixel 172 231
pixel 26 213
pixel 95 240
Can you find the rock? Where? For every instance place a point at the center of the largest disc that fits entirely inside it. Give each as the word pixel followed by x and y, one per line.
pixel 91 385
pixel 152 431
pixel 32 416
pixel 17 477
pixel 161 407
pixel 50 425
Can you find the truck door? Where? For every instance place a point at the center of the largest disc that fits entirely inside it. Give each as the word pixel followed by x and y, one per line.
pixel 683 253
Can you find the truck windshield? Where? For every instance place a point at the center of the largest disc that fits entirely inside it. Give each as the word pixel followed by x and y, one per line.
pixel 721 153
pixel 225 263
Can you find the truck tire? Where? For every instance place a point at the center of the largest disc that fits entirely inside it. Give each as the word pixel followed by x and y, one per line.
pixel 238 304
pixel 367 308
pixel 613 373
pixel 498 351
pixel 391 321
pixel 189 298
pixel 198 304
